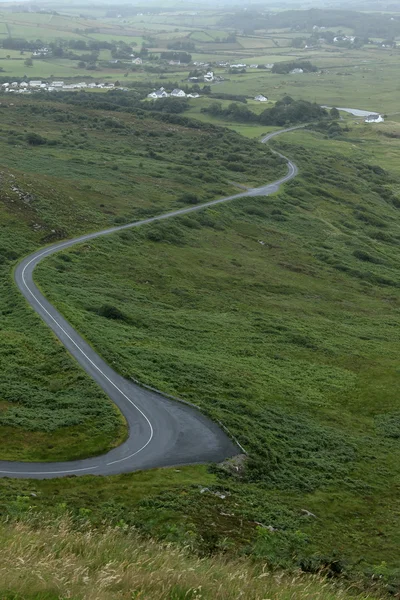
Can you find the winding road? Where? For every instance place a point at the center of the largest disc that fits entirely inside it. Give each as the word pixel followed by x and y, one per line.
pixel 162 432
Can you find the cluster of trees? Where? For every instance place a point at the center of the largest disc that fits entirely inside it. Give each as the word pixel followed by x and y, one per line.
pixel 183 57
pixel 285 112
pixel 167 105
pixel 185 44
pixel 287 67
pixel 329 37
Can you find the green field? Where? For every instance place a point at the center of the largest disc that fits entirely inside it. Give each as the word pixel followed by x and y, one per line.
pixel 360 77
pixel 113 170
pixel 302 354
pixel 278 316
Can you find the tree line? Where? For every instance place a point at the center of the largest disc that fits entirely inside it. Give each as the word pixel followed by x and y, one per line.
pixel 285 112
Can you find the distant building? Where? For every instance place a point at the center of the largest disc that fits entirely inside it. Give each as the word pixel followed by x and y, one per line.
pixel 193 95
pixel 137 61
pixel 161 93
pixel 374 119
pixel 41 52
pixel 35 84
pixel 261 98
pixel 296 71
pixel 177 93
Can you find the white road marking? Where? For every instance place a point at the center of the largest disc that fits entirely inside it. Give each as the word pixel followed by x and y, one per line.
pixel 292 170
pixel 94 365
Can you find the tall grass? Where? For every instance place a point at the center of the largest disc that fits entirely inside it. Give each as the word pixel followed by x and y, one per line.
pixel 57 561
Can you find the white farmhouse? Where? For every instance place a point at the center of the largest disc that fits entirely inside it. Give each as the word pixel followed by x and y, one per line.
pixel 177 93
pixel 35 84
pixel 261 98
pixel 374 119
pixel 161 93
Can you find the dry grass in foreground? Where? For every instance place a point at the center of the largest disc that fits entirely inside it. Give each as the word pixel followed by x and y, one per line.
pixel 56 562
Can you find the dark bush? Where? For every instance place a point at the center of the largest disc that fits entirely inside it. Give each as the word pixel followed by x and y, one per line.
pixel 111 312
pixel 34 139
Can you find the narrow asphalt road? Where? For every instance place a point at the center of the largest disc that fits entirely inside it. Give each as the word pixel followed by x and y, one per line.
pixel 162 432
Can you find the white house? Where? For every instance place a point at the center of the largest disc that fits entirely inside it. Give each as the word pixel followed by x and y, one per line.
pixel 177 93
pixel 296 71
pixel 14 84
pixel 57 84
pixel 161 93
pixel 137 61
pixel 194 95
pixel 374 119
pixel 23 84
pixel 261 98
pixel 35 84
pixel 41 52
pixel 209 77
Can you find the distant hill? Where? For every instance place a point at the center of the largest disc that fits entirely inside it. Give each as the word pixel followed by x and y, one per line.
pixel 363 24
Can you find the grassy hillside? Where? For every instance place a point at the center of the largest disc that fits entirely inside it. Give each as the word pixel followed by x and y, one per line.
pixel 61 561
pixel 62 173
pixel 278 316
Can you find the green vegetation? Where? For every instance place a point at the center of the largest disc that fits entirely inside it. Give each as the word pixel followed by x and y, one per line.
pixel 363 24
pixel 49 562
pixel 277 316
pixel 287 67
pixel 87 170
pixel 285 112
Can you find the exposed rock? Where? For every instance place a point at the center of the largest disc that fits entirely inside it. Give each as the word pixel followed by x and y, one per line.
pixel 307 513
pixel 269 527
pixel 235 466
